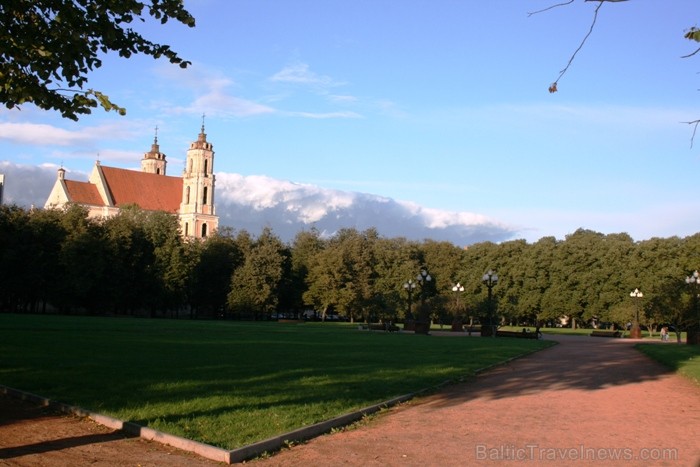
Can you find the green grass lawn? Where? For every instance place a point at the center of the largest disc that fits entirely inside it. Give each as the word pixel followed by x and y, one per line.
pixel 230 383
pixel 682 358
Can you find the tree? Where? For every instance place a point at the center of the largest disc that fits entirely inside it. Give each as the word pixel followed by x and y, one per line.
pixel 343 275
pixel 213 262
pixel 306 245
pixel 255 285
pixel 132 279
pixel 85 259
pixel 14 229
pixel 47 48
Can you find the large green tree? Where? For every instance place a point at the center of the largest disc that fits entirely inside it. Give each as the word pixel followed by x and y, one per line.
pixel 256 284
pixel 48 47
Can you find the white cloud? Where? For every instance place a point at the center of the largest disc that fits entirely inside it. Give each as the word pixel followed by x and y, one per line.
pixel 324 115
pixel 37 134
pixel 212 94
pixel 254 202
pixel 218 102
pixel 342 99
pixel 299 73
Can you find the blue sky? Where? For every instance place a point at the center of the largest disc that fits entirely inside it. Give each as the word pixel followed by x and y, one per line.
pixel 441 105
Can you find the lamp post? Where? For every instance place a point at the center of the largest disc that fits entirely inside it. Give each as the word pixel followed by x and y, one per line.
pixel 694 278
pixel 423 321
pixel 423 278
pixel 409 286
pixel 636 331
pixel 490 279
pixel 457 321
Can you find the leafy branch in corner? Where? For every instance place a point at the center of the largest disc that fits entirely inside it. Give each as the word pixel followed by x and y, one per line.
pixel 48 47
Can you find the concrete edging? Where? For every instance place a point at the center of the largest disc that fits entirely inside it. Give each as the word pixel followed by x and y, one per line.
pixel 205 450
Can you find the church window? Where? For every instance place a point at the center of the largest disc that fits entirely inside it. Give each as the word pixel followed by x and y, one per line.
pixel 204 230
pixel 187 195
pixel 187 229
pixel 206 163
pixel 204 196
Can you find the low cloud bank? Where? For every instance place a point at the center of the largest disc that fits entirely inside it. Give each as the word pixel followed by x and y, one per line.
pixel 254 202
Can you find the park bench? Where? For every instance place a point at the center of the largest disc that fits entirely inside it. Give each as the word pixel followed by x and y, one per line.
pixel 382 327
pixel 519 334
pixel 599 333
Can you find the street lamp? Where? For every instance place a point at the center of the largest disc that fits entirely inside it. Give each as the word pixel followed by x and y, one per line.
pixel 423 319
pixel 490 279
pixel 457 321
pixel 458 289
pixel 694 278
pixel 423 278
pixel 636 331
pixel 409 286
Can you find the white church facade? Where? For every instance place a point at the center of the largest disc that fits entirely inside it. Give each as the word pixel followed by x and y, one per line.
pixel 190 197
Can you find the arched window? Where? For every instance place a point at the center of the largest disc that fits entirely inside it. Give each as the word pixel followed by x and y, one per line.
pixel 206 164
pixel 187 195
pixel 157 171
pixel 204 230
pixel 204 196
pixel 187 229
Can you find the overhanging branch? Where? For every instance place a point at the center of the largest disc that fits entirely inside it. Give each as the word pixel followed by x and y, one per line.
pixel 550 7
pixel 695 124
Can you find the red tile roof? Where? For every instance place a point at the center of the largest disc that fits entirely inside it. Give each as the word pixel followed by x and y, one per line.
pixel 150 191
pixel 83 193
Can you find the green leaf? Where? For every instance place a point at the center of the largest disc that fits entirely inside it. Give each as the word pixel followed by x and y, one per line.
pixel 693 34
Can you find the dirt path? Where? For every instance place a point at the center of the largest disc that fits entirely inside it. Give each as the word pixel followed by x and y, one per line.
pixel 31 435
pixel 584 401
pixel 581 402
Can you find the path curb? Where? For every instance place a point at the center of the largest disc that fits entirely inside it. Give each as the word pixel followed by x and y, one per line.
pixel 205 450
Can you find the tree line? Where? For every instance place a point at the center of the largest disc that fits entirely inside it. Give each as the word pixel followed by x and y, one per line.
pixel 136 263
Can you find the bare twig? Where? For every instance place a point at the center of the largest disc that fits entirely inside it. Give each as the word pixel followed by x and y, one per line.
pixel 553 87
pixel 695 124
pixel 691 54
pixel 550 7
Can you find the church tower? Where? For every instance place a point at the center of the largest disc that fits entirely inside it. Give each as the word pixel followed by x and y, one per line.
pixel 154 160
pixel 197 214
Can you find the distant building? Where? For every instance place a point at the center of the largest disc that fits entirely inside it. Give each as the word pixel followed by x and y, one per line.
pixel 190 197
pixel 2 186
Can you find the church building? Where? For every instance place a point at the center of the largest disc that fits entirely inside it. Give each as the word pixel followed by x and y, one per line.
pixel 190 197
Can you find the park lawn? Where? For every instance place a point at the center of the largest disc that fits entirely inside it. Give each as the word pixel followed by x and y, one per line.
pixel 681 358
pixel 230 383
